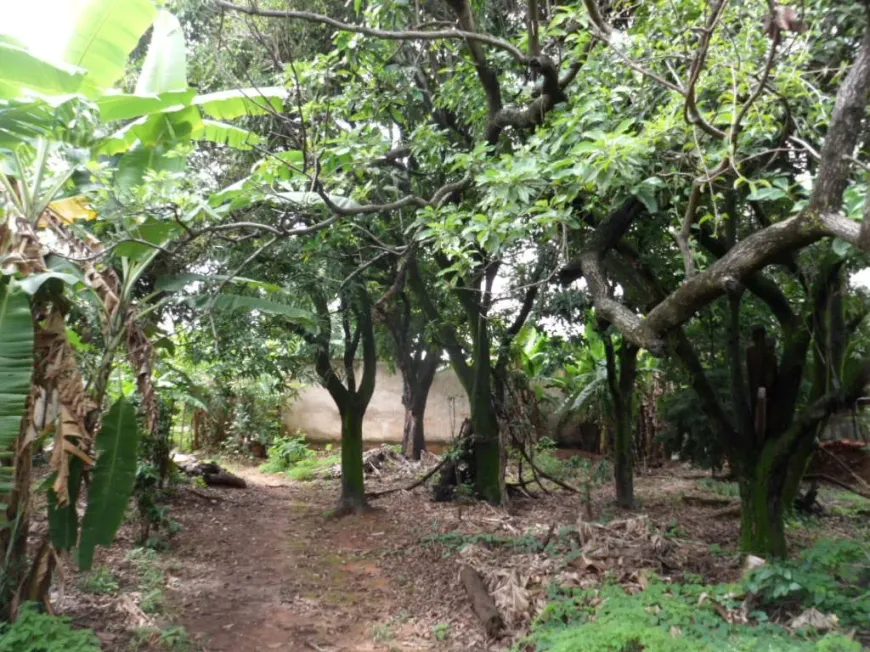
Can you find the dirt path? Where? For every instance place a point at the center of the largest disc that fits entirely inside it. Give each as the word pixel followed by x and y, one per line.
pixel 266 569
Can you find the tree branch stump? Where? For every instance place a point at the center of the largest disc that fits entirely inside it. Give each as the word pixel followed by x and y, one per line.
pixel 481 601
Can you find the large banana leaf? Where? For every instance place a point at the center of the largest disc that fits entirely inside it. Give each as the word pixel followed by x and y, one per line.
pixel 63 522
pixel 231 104
pixel 22 69
pixel 224 134
pixel 104 35
pixel 121 106
pixel 16 368
pixel 113 479
pixel 165 66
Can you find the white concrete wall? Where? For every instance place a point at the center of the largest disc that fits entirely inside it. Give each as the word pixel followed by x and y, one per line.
pixel 314 413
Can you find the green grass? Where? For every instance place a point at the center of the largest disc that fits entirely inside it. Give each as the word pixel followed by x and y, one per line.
pixel 308 468
pixel 720 487
pixel 99 581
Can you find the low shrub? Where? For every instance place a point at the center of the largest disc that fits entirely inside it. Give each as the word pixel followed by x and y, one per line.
pixel 832 576
pixel 661 618
pixel 284 452
pixel 39 632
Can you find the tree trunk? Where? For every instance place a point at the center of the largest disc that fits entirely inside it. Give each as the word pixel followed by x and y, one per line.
pixel 353 497
pixel 768 490
pixel 417 380
pixel 484 421
pixel 413 438
pixel 487 457
pixel 623 459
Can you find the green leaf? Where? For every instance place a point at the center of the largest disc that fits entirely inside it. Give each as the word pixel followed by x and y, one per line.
pixel 231 104
pixel 231 302
pixel 179 282
pixel 113 479
pixel 103 37
pixel 22 69
pixel 122 106
pixel 31 284
pixel 133 165
pixel 63 522
pixel 157 232
pixel 224 134
pixel 16 368
pixel 766 194
pixel 841 248
pixel 306 199
pixel 165 66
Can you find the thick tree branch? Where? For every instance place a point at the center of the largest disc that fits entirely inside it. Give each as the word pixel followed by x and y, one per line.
pixel 401 35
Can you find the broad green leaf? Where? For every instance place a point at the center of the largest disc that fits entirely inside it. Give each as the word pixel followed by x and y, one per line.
pixel 168 127
pixel 63 522
pixel 122 106
pixel 113 478
pixel 16 368
pixel 134 164
pixel 305 199
pixel 103 38
pixel 841 247
pixel 231 302
pixel 154 231
pixel 22 69
pixel 165 66
pixel 20 121
pixel 181 281
pixel 31 284
pixel 122 140
pixel 231 104
pixel 766 194
pixel 224 134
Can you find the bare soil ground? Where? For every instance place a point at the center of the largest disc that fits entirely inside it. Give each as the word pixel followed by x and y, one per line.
pixel 268 568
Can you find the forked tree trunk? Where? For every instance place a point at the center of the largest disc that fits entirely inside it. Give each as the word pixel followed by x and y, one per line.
pixel 353 497
pixel 417 379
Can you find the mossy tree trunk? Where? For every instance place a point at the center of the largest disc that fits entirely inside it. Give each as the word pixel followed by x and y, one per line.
pixel 473 365
pixel 621 379
pixel 353 495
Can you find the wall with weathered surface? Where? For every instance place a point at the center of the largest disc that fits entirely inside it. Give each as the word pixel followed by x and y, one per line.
pixel 314 413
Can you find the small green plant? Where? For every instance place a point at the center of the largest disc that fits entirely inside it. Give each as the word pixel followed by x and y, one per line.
pixel 675 530
pixel 831 576
pixel 152 578
pixel 441 631
pixel 720 487
pixel 382 632
pixel 284 452
pixel 38 632
pixel 308 468
pixel 175 639
pixel 99 581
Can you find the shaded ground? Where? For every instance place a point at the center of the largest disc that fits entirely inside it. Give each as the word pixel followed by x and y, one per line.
pixel 266 568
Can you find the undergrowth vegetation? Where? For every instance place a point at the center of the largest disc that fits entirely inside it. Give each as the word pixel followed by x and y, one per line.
pixel 657 616
pixel 38 632
pixel 293 456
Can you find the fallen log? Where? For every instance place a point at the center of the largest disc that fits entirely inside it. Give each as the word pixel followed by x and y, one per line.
pixel 212 474
pixel 481 601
